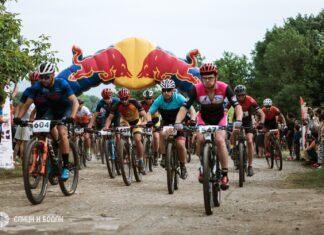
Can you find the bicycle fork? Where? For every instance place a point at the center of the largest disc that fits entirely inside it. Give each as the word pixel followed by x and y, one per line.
pixel 43 144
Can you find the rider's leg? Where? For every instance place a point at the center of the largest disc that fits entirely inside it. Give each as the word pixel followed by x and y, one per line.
pixel 139 146
pixel 221 147
pixel 65 148
pixel 182 152
pixel 249 141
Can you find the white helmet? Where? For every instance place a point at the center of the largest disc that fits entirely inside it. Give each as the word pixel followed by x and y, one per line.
pixel 46 68
pixel 267 102
pixel 147 93
pixel 167 84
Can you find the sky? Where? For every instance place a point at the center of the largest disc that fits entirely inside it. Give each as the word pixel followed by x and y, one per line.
pixel 212 26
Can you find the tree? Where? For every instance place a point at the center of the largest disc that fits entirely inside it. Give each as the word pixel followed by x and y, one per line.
pixel 18 55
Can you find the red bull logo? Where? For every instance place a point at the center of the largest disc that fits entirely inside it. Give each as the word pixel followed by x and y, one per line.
pixel 161 65
pixel 108 64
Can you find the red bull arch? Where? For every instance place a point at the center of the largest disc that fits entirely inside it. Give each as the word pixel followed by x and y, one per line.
pixel 134 63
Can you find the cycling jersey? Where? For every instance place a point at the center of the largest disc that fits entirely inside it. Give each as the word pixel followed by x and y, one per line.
pixel 248 106
pixel 270 117
pixel 130 112
pixel 155 116
pixel 168 110
pixel 40 102
pixel 107 107
pixel 212 111
pixel 56 95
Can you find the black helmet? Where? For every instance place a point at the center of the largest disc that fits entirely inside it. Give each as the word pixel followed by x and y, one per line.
pixel 240 90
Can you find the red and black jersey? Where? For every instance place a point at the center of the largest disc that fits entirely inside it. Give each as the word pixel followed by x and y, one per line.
pixel 270 114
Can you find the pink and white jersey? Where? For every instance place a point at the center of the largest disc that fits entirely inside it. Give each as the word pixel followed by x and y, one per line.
pixel 212 110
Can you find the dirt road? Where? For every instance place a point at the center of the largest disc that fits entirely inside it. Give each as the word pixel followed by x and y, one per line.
pixel 265 205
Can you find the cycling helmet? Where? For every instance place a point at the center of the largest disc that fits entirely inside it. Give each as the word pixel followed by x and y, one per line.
pixel 106 93
pixel 46 68
pixel 123 93
pixel 267 102
pixel 240 90
pixel 208 68
pixel 34 76
pixel 147 93
pixel 167 84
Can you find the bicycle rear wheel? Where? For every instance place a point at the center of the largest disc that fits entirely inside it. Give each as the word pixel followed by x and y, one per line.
pixel 241 164
pixel 125 163
pixel 207 184
pixel 69 186
pixel 135 163
pixel 35 182
pixel 81 154
pixel 269 159
pixel 169 167
pixel 277 155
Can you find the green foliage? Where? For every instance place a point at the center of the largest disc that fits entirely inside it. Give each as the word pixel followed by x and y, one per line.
pixel 90 101
pixel 289 63
pixel 234 69
pixel 18 55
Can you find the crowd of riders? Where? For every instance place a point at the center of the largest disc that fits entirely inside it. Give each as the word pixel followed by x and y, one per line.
pixel 52 98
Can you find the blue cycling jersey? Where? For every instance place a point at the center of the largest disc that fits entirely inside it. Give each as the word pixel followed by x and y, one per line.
pixel 39 101
pixel 168 110
pixel 107 107
pixel 55 97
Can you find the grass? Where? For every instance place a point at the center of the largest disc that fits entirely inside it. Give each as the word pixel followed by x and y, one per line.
pixel 11 173
pixel 313 179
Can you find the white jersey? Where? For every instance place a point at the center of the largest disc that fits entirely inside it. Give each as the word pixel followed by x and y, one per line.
pixel 83 112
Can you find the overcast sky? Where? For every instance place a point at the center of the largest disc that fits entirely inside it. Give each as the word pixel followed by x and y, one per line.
pixel 212 26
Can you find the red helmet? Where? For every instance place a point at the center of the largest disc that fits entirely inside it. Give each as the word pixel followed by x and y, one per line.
pixel 34 76
pixel 208 68
pixel 106 93
pixel 124 93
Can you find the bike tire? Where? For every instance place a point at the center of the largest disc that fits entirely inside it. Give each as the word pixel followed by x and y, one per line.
pixel 39 182
pixel 125 163
pixel 81 154
pixel 148 157
pixel 169 168
pixel 53 180
pixel 277 155
pixel 270 159
pixel 102 150
pixel 69 186
pixel 241 163
pixel 135 163
pixel 111 165
pixel 207 184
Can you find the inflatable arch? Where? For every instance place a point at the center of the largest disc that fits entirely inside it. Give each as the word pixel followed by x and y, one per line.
pixel 134 63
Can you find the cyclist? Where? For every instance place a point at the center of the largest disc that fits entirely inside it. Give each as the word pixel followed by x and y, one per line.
pixel 106 103
pixel 146 103
pixel 61 103
pixel 168 105
pixel 248 106
pixel 272 117
pixel 131 111
pixel 82 120
pixel 210 94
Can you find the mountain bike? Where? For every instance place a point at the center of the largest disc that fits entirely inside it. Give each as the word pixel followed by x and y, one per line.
pixel 127 159
pixel 148 148
pixel 240 151
pixel 275 150
pixel 78 139
pixel 43 160
pixel 211 168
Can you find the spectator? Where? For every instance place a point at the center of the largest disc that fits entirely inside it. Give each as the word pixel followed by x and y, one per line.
pixel 290 134
pixel 312 150
pixel 321 136
pixel 297 137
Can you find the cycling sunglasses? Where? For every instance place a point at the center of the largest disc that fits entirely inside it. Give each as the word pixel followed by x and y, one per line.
pixel 45 77
pixel 167 90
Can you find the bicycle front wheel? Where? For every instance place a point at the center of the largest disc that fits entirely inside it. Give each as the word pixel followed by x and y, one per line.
pixel 69 186
pixel 169 167
pixel 241 164
pixel 125 163
pixel 35 178
pixel 111 165
pixel 277 155
pixel 148 156
pixel 207 184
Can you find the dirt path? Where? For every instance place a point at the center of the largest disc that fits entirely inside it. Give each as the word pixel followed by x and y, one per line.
pixel 105 206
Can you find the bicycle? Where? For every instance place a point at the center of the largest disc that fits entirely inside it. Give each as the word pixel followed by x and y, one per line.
pixel 42 161
pixel 211 168
pixel 78 139
pixel 172 162
pixel 127 160
pixel 275 150
pixel 148 148
pixel 190 146
pixel 240 149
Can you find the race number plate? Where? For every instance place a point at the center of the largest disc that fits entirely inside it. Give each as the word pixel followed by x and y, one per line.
pixel 42 126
